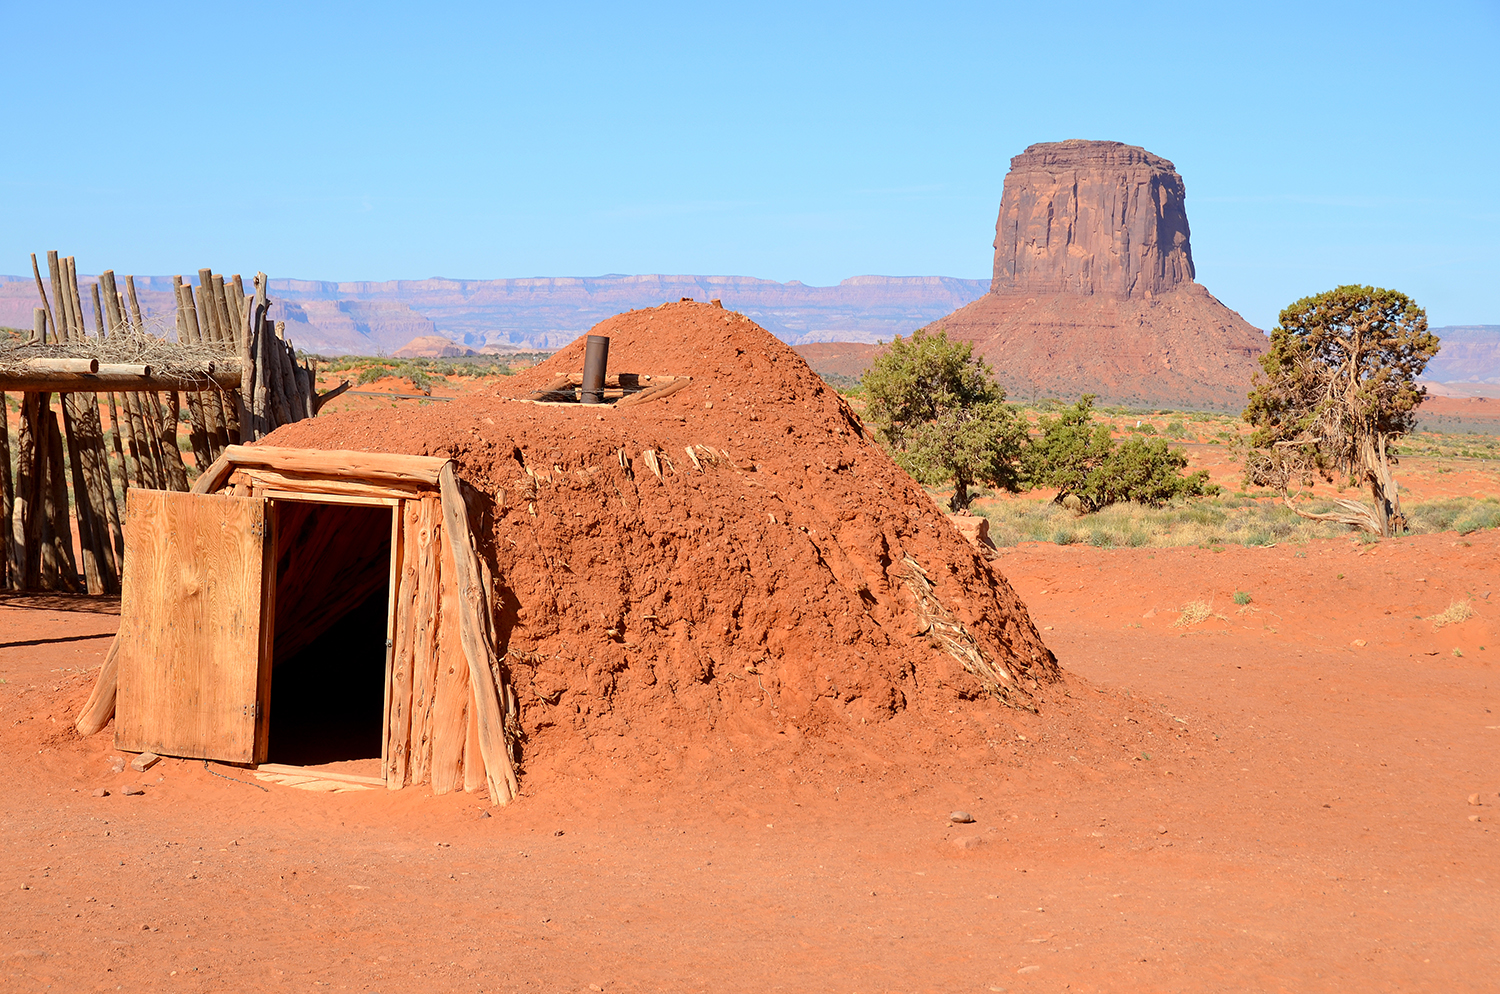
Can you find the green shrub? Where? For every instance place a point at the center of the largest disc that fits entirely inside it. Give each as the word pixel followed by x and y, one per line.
pixel 1080 459
pixel 1241 598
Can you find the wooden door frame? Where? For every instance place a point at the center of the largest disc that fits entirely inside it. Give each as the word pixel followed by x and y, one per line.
pixel 396 505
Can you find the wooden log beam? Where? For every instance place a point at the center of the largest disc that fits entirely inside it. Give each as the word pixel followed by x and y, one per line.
pixel 311 483
pixel 373 466
pixel 121 379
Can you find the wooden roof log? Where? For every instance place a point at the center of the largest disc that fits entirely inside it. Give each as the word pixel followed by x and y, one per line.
pixel 321 462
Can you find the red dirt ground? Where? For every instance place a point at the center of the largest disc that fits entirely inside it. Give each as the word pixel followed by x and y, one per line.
pixel 1314 797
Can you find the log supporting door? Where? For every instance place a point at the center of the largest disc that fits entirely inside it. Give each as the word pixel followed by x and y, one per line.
pixel 196 616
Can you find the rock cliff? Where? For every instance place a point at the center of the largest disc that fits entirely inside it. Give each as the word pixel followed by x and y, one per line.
pixel 1093 287
pixel 1092 217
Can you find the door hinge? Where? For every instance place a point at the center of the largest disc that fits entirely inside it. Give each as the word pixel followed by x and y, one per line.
pixel 251 710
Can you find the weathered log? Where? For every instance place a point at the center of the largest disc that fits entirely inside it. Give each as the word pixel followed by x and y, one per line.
pixel 373 466
pixel 72 323
pixel 100 706
pixel 401 703
pixel 655 392
pixel 7 501
pixel 147 469
pixel 46 308
pixel 208 314
pixel 135 306
pixel 26 529
pixel 313 483
pixel 450 710
pixel 328 395
pixel 474 777
pixel 62 365
pixel 38 324
pixel 90 547
pixel 427 516
pixel 208 401
pixel 478 640
pixel 197 430
pixel 222 312
pixel 54 276
pixel 114 418
pixel 59 523
pixel 124 378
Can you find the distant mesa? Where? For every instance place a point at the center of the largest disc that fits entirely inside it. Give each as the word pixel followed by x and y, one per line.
pixel 432 347
pixel 1093 288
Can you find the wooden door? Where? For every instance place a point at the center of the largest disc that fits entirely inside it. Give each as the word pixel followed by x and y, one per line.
pixel 196 612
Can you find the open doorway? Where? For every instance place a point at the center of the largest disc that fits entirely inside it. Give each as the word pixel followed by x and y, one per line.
pixel 329 644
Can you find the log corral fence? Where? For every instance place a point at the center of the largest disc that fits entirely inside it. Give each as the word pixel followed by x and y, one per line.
pixel 136 392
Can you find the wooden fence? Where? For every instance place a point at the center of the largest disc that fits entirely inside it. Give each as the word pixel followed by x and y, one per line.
pixel 125 391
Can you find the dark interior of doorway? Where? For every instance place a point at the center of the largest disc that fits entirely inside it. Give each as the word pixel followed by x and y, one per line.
pixel 332 610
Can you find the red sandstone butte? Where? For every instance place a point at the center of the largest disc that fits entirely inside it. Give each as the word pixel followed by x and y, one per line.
pixel 1093 287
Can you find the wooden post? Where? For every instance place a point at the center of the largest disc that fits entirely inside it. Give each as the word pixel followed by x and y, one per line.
pixel 207 327
pixel 59 523
pixel 89 547
pixel 7 499
pixel 208 401
pixel 146 473
pixel 197 433
pixel 424 639
pixel 451 710
pixel 104 541
pixel 478 640
pixel 46 308
pixel 54 276
pixel 229 338
pixel 175 472
pixel 26 530
pixel 114 416
pixel 404 599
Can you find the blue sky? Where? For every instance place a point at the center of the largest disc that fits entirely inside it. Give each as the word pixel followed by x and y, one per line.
pixel 1320 143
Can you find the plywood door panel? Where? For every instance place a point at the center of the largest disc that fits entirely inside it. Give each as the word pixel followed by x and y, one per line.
pixel 194 663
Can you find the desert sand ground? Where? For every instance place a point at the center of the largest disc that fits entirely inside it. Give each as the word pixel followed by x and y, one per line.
pixel 1298 793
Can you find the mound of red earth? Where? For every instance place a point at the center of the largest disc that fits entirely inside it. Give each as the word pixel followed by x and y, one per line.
pixel 741 551
pixel 1093 287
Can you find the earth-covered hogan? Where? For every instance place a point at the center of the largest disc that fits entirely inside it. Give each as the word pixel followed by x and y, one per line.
pixel 740 550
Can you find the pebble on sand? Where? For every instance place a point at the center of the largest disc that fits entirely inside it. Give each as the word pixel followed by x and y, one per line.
pixel 961 818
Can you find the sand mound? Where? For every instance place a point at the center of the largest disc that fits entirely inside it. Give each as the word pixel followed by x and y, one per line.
pixel 783 569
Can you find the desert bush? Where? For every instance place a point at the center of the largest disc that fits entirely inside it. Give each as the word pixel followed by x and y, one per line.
pixel 937 408
pixel 1193 612
pixel 1456 612
pixel 1080 459
pixel 1242 597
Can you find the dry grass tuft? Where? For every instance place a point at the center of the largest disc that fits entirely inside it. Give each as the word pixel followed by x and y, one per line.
pixel 1457 611
pixel 1193 612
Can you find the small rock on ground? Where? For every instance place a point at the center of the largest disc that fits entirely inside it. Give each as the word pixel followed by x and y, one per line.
pixel 968 842
pixel 101 792
pixel 144 762
pixel 131 789
pixel 961 818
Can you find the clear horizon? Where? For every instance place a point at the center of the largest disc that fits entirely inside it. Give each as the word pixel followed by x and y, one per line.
pixel 1320 144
